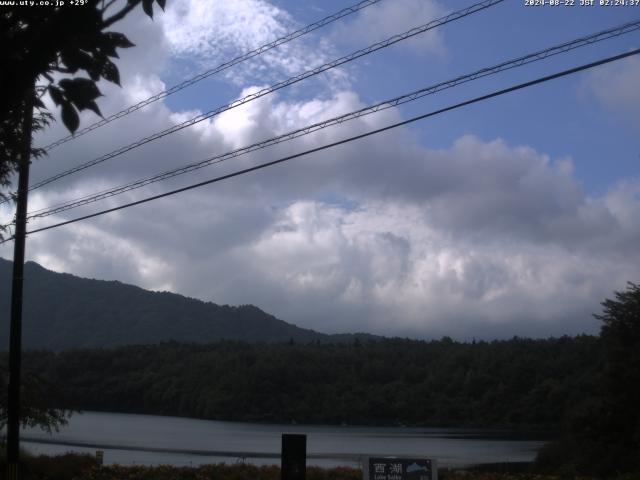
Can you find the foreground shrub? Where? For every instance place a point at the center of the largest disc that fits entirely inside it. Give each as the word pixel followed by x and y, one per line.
pixel 59 467
pixel 212 472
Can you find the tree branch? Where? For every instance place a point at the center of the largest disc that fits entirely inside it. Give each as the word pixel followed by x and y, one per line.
pixel 120 15
pixel 106 7
pixel 43 89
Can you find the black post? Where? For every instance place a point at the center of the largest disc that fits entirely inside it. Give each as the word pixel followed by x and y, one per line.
pixel 293 460
pixel 15 329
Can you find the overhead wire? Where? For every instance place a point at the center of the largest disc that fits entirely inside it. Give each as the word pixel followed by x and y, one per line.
pixel 223 66
pixel 506 65
pixel 477 7
pixel 481 98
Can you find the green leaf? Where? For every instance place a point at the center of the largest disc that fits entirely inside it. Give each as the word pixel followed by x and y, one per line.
pixel 107 46
pixel 161 3
pixel 94 72
pixel 93 106
pixel 81 92
pixel 56 95
pixel 147 6
pixel 110 72
pixel 79 89
pixel 76 59
pixel 70 117
pixel 118 40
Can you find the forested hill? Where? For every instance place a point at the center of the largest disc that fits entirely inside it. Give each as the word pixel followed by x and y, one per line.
pixel 62 311
pixel 516 383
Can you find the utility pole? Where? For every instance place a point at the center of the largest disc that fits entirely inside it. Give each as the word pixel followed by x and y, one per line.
pixel 15 329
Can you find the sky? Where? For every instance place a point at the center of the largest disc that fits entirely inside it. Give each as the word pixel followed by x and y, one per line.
pixel 514 216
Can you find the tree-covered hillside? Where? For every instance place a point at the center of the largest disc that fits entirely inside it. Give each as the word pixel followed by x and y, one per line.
pixel 62 311
pixel 501 383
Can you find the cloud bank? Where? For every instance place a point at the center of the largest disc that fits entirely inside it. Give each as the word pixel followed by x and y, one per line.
pixel 480 239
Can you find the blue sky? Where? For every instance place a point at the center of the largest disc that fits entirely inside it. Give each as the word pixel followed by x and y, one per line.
pixel 559 118
pixel 516 216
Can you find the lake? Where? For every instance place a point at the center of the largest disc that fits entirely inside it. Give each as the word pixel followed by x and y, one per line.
pixel 151 440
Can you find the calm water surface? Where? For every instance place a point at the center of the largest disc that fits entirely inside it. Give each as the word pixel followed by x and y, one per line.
pixel 151 440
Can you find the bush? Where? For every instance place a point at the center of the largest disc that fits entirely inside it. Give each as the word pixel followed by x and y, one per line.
pixel 43 467
pixel 217 472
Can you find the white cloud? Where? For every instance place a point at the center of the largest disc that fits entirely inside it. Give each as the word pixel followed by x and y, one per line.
pixel 482 238
pixel 387 19
pixel 479 239
pixel 615 86
pixel 388 263
pixel 215 31
pixel 212 28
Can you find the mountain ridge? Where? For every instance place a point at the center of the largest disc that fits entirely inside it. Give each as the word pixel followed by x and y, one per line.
pixel 63 311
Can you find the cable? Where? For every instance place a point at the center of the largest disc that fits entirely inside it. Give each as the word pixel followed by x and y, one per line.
pixel 309 73
pixel 223 66
pixel 523 60
pixel 346 140
pixel 610 33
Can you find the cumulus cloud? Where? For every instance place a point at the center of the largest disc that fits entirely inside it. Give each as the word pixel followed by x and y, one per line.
pixel 615 86
pixel 480 238
pixel 214 32
pixel 213 28
pixel 387 263
pixel 390 18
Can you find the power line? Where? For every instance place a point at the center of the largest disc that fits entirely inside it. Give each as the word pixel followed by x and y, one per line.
pixel 303 76
pixel 223 66
pixel 523 60
pixel 346 140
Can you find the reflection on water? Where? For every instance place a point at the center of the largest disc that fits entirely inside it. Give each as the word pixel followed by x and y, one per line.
pixel 151 440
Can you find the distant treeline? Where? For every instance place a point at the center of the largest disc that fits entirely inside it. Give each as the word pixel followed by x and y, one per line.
pixel 518 382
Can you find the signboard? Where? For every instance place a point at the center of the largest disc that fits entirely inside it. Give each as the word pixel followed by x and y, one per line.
pixel 400 468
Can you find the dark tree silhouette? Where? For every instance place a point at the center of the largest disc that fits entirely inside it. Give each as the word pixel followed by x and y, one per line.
pixel 36 410
pixel 61 51
pixel 602 431
pixel 620 334
pixel 51 46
